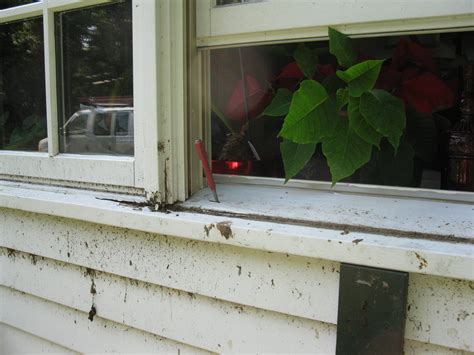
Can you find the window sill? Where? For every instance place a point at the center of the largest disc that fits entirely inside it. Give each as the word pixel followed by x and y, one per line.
pixel 412 235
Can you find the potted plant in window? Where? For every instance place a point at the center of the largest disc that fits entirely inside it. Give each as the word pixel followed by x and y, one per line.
pixel 356 114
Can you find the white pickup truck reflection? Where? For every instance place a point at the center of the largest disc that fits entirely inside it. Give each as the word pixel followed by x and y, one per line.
pixel 96 131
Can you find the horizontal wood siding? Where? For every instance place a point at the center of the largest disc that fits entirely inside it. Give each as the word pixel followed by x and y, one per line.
pixel 158 293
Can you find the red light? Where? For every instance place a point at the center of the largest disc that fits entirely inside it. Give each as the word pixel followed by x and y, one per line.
pixel 233 165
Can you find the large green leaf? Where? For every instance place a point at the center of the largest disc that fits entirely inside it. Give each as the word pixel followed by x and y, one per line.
pixel 295 156
pixel 312 114
pixel 332 83
pixel 345 151
pixel 306 60
pixel 341 47
pixel 360 125
pixel 361 77
pixel 342 98
pixel 385 113
pixel 280 104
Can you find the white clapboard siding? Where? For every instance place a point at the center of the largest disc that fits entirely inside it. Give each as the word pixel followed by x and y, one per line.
pixel 71 328
pixel 49 279
pixel 273 281
pixel 440 309
pixel 14 341
pixel 189 318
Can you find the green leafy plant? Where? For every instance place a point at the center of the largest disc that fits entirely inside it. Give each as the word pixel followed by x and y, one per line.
pixel 345 114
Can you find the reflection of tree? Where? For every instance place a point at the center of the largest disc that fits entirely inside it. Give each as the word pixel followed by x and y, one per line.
pixel 96 47
pixel 22 87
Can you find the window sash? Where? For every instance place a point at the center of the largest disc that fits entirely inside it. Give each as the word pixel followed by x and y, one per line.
pixel 283 20
pixel 457 15
pixel 159 90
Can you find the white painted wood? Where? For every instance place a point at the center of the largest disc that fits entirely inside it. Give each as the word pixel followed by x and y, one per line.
pixel 50 80
pixel 443 258
pixel 274 20
pixel 361 189
pixel 64 5
pixel 439 309
pixel 16 341
pixel 192 319
pixel 414 215
pixel 277 282
pixel 160 105
pixel 418 348
pixel 21 12
pixel 111 170
pixel 196 90
pixel 72 329
pixel 145 90
pixel 172 100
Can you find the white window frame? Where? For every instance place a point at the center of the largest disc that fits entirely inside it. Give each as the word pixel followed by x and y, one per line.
pixel 287 20
pixel 158 166
pixel 274 21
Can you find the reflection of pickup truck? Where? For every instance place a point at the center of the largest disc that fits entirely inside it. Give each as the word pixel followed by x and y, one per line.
pixel 96 131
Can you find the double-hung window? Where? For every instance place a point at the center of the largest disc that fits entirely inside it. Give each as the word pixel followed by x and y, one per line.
pixel 250 51
pixel 87 92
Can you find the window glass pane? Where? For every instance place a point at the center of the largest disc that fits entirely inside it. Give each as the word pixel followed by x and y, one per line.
pixel 95 77
pixel 423 73
pixel 5 4
pixel 22 86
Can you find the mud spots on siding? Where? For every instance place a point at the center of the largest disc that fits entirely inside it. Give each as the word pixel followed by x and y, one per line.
pixel 357 241
pixel 423 262
pixel 224 229
pixel 11 253
pixel 92 313
pixel 93 291
pixel 33 259
pixel 208 228
pixel 462 315
pixel 161 147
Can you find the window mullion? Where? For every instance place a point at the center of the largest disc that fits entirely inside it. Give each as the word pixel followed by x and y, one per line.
pixel 145 89
pixel 159 72
pixel 51 86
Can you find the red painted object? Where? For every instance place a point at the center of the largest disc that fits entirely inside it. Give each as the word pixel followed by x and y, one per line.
pixel 201 151
pixel 232 167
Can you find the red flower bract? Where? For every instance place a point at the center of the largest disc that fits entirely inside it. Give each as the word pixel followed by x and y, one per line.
pixel 426 93
pixel 257 99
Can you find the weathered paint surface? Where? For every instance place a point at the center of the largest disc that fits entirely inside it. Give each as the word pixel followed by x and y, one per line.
pixel 375 248
pixel 72 328
pixel 211 296
pixel 14 341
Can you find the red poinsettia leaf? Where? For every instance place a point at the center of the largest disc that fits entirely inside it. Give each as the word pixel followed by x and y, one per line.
pixel 426 93
pixel 422 56
pixel 291 70
pixel 326 69
pixel 389 79
pixel 235 108
pixel 400 56
pixel 411 52
pixel 410 72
